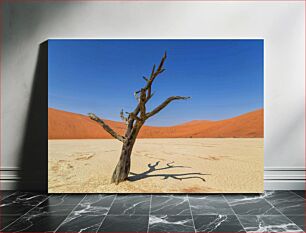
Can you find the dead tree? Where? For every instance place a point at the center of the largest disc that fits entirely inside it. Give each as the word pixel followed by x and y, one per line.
pixel 134 121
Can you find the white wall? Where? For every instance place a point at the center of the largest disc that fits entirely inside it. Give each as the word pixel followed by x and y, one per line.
pixel 281 24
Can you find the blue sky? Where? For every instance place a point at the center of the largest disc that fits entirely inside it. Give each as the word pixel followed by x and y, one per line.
pixel 223 77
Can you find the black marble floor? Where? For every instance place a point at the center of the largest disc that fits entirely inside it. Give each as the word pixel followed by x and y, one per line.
pixel 273 211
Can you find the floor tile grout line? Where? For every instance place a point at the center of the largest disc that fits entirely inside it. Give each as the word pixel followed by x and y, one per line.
pixel 191 214
pixel 69 213
pixel 263 197
pixel 297 194
pixel 25 213
pixel 283 214
pixel 149 213
pixel 107 213
pixel 234 212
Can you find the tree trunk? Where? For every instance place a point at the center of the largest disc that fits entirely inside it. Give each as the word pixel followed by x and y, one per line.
pixel 122 169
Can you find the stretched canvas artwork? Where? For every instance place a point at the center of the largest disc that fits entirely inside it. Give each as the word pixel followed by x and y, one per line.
pixel 155 116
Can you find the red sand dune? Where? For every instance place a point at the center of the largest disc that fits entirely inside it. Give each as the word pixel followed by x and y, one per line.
pixel 67 125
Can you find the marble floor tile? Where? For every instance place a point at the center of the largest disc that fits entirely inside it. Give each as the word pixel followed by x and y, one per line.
pixel 98 199
pixel 35 223
pixel 130 204
pixel 65 199
pixel 301 193
pixel 250 205
pixel 286 202
pixel 7 220
pixel 81 223
pixel 299 220
pixel 95 204
pixel 266 223
pixel 236 196
pixel 209 205
pixel 170 205
pixel 57 205
pixel 217 223
pixel 21 202
pixel 164 223
pixel 45 208
pixel 5 194
pixel 273 211
pixel 126 223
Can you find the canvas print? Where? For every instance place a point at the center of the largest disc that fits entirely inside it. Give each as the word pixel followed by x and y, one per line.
pixel 155 116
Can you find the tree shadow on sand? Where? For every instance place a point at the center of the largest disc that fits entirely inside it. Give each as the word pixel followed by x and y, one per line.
pixel 177 176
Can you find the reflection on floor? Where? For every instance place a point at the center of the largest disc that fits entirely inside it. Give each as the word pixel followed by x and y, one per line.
pixel 273 211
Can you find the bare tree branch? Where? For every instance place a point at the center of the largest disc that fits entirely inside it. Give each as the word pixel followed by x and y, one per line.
pixel 164 104
pixel 154 73
pixel 145 94
pixel 106 127
pixel 134 117
pixel 123 118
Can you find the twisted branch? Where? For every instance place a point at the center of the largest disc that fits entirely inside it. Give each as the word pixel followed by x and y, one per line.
pixel 164 104
pixel 106 127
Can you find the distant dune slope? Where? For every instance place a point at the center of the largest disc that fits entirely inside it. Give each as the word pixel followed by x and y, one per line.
pixel 66 125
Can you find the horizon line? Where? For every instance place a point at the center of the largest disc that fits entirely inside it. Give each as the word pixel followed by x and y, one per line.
pixel 257 109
